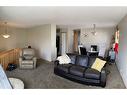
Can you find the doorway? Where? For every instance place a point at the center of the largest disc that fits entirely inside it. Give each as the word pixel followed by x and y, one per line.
pixel 58 41
pixel 76 40
pixel 61 41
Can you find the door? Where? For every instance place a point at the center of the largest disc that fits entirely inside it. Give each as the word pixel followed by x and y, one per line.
pixel 76 40
pixel 63 42
pixel 58 44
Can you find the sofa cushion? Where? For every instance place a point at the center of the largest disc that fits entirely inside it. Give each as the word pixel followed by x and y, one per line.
pixel 82 60
pixel 92 74
pixel 72 57
pixel 77 70
pixel 91 61
pixel 64 67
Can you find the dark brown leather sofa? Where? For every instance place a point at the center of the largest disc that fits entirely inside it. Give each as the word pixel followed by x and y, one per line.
pixel 80 70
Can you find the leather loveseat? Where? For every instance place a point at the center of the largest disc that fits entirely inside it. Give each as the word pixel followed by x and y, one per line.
pixel 80 70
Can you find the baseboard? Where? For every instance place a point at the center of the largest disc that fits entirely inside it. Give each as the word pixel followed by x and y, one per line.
pixel 124 77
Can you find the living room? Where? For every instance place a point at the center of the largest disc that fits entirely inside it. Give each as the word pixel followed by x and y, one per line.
pixel 30 26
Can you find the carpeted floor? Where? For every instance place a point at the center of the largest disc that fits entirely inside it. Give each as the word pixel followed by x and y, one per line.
pixel 43 78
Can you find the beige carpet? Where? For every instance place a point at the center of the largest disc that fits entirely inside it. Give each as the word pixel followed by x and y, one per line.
pixel 43 78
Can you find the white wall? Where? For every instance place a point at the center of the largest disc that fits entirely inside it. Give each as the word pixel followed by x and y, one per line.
pixel 53 42
pixel 43 39
pixel 122 56
pixel 102 39
pixel 70 40
pixel 17 38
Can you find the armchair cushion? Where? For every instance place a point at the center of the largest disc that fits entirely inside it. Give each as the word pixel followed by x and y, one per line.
pixel 28 57
pixel 27 62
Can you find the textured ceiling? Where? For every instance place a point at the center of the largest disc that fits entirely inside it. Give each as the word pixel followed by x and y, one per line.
pixel 69 16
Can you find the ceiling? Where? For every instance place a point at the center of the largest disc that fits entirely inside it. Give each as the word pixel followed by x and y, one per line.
pixel 70 16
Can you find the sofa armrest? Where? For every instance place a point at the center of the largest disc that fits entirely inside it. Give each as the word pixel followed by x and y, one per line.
pixel 103 77
pixel 56 63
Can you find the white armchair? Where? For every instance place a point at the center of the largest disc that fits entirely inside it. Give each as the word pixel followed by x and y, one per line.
pixel 27 59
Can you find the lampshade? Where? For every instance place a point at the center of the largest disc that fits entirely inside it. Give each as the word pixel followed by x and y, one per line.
pixel 6 35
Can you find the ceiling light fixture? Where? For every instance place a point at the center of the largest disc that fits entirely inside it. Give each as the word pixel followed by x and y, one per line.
pixel 94 30
pixel 6 35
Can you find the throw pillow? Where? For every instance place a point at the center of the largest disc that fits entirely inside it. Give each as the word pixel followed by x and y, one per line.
pixel 64 59
pixel 98 64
